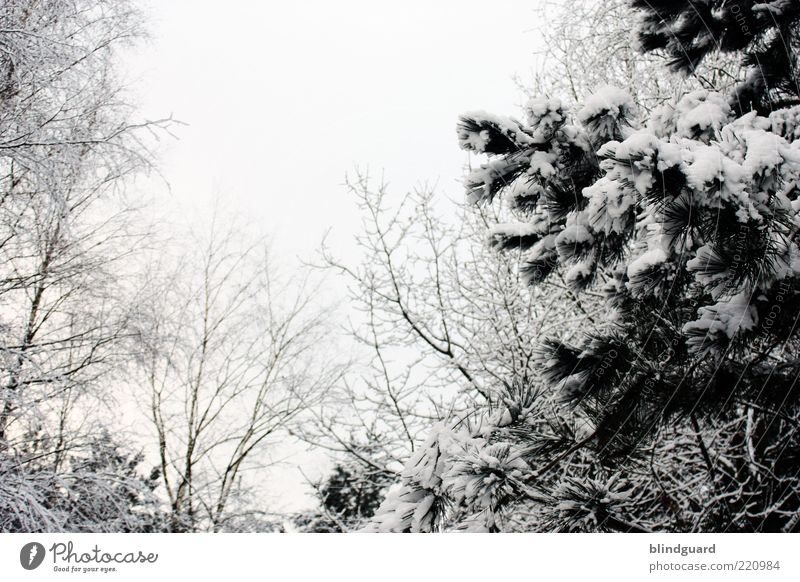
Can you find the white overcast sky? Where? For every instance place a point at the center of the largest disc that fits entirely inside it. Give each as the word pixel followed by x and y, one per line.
pixel 283 98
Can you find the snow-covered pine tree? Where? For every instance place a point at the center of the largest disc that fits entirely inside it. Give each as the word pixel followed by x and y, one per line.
pixel 765 33
pixel 681 406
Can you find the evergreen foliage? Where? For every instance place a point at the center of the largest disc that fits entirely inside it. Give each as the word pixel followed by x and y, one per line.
pixel 677 410
pixel 348 497
pixel 764 33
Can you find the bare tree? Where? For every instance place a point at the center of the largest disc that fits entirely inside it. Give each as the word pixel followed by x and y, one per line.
pixel 232 354
pixel 590 43
pixel 69 143
pixel 443 328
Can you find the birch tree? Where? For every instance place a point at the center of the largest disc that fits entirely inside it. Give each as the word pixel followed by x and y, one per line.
pixel 232 354
pixel 69 142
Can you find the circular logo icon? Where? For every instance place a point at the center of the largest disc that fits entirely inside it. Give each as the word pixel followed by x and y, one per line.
pixel 31 555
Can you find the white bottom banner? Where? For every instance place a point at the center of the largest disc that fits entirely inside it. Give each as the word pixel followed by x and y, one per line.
pixel 432 557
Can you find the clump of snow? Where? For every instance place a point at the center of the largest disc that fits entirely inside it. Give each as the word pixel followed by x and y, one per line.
pixel 786 123
pixel 512 234
pixel 669 155
pixel 638 145
pixel 506 229
pixel 699 115
pixel 609 206
pixel 663 120
pixel 607 101
pixel 486 474
pixel 575 234
pixel 524 194
pixel 542 249
pixel 634 160
pixel 486 124
pixel 706 117
pixel 764 152
pixel 476 141
pixel 580 271
pixel 646 261
pixel 481 184
pixel 707 166
pixel 542 164
pixel 720 180
pixel 607 114
pixel 545 117
pixel 724 319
